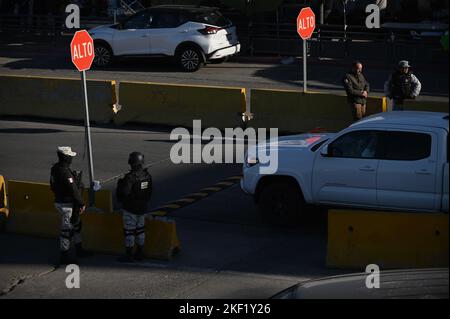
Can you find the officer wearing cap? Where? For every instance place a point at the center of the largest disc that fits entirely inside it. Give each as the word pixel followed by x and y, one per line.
pixel 67 188
pixel 402 85
pixel 134 192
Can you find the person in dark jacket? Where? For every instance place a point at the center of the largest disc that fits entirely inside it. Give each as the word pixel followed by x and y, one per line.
pixel 67 188
pixel 402 85
pixel 357 89
pixel 134 191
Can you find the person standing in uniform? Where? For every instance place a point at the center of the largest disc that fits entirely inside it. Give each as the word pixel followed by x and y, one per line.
pixel 67 188
pixel 402 85
pixel 134 192
pixel 357 89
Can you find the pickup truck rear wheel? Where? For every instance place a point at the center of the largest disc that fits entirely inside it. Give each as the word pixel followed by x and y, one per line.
pixel 281 204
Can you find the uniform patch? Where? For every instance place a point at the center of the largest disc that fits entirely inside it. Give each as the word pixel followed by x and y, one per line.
pixel 144 185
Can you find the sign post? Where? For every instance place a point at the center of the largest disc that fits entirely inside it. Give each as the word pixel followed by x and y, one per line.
pixel 82 52
pixel 306 23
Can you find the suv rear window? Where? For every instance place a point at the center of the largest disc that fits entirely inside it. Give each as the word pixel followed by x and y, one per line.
pixel 214 18
pixel 407 146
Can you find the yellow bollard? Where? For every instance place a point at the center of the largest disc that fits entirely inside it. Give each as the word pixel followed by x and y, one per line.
pixel 4 212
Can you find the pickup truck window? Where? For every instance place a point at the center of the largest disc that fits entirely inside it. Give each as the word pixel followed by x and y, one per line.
pixel 318 145
pixel 407 146
pixel 357 144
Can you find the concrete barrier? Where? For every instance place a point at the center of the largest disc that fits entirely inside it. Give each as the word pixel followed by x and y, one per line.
pixel 32 210
pixel 295 112
pixel 4 212
pixel 427 106
pixel 56 98
pixel 179 105
pixel 103 233
pixel 388 239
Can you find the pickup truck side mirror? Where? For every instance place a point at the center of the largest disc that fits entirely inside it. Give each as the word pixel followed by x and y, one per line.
pixel 325 151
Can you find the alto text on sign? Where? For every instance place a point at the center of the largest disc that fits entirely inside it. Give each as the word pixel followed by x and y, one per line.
pixel 306 23
pixel 82 50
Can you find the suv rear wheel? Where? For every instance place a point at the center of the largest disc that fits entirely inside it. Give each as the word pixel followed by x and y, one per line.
pixel 190 59
pixel 103 55
pixel 281 203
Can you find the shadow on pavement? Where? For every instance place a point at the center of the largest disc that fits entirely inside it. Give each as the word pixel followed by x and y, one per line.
pixel 28 131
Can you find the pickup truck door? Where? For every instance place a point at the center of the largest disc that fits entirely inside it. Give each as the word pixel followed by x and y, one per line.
pixel 133 38
pixel 347 174
pixel 407 175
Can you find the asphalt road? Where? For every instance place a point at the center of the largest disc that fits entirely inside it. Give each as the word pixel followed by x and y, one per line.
pixel 227 250
pixel 40 57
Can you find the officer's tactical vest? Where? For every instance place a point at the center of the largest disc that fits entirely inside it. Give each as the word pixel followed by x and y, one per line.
pixel 141 190
pixel 401 85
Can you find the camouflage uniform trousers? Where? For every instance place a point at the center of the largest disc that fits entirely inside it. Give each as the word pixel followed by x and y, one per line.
pixel 134 228
pixel 68 231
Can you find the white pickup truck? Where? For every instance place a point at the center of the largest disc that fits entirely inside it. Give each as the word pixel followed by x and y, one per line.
pixel 389 161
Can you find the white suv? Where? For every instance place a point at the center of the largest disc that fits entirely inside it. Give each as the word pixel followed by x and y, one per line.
pixel 193 35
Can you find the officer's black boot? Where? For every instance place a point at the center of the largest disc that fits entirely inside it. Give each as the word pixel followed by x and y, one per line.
pixel 139 255
pixel 65 259
pixel 128 257
pixel 82 253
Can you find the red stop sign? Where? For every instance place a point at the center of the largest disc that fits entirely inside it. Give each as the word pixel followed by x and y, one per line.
pixel 82 50
pixel 306 23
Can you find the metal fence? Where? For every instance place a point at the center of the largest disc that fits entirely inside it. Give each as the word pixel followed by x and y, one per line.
pixel 280 39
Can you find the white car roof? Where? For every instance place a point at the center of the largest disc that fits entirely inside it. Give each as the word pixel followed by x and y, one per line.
pixel 414 118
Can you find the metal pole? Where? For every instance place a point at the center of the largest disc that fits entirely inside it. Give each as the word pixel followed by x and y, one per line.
pixel 345 20
pixel 88 141
pixel 305 84
pixel 322 13
pixel 278 33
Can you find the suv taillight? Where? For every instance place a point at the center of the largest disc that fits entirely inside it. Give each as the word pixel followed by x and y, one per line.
pixel 209 30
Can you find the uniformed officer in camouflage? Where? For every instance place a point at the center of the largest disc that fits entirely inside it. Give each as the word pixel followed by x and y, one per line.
pixel 134 192
pixel 357 89
pixel 67 187
pixel 402 85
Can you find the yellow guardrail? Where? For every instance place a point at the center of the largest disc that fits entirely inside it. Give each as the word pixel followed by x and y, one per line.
pixel 388 239
pixel 57 98
pixel 294 111
pixel 32 212
pixel 426 106
pixel 179 105
pixel 103 232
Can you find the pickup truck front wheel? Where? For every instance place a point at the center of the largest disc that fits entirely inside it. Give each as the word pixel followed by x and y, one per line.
pixel 281 204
